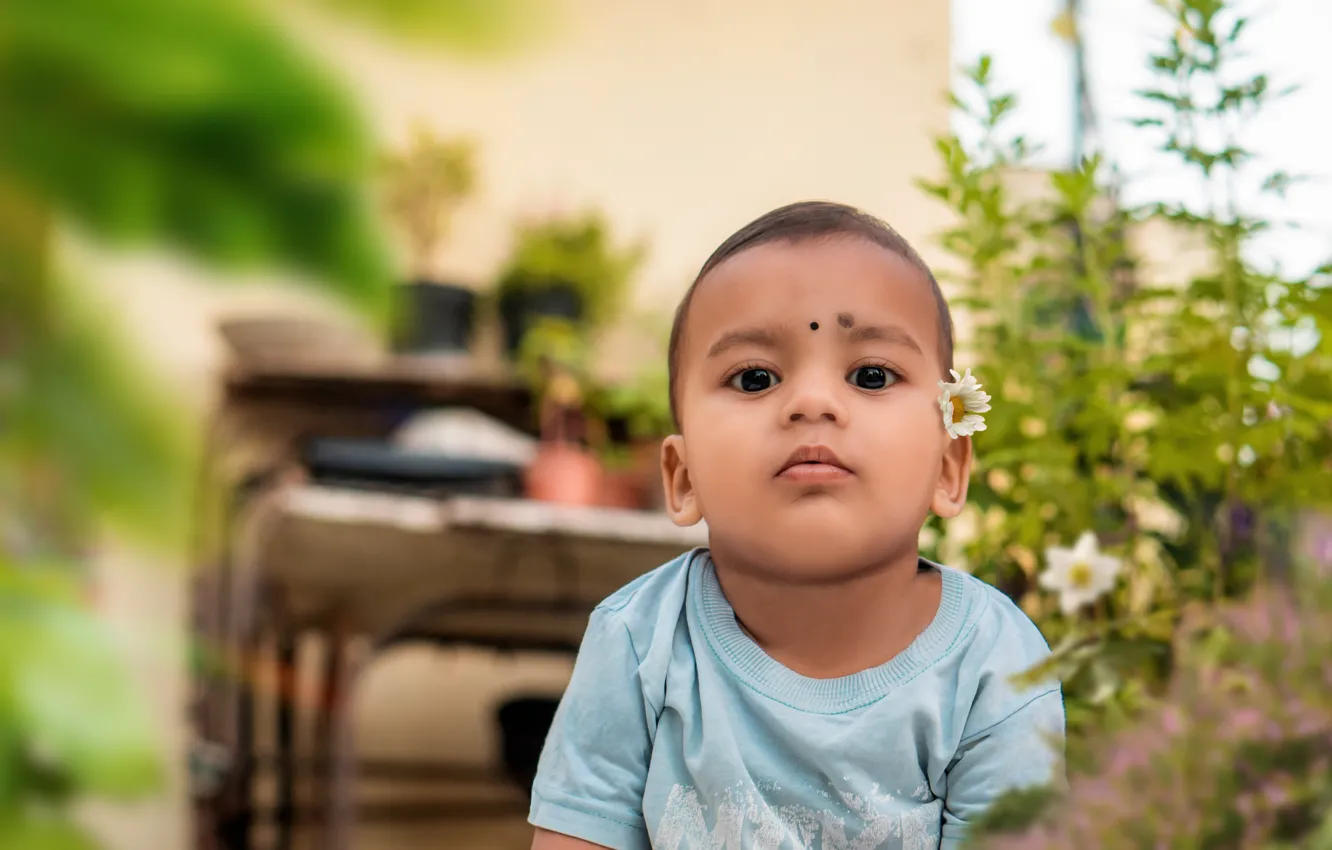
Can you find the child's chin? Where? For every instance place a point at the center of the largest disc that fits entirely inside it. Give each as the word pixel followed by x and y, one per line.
pixel 820 554
pixel 824 513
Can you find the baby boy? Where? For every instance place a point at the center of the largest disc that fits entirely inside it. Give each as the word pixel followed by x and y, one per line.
pixel 806 681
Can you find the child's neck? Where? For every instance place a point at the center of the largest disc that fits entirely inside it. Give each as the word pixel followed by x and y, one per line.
pixel 838 628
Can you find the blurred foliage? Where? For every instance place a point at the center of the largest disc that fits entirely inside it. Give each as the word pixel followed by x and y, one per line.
pixel 578 252
pixel 196 125
pixel 1180 414
pixel 71 718
pixel 468 26
pixel 1238 755
pixel 640 398
pixel 555 345
pixel 643 402
pixel 622 415
pixel 85 439
pixel 425 183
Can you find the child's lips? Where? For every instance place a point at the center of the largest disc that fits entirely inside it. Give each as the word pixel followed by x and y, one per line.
pixel 812 465
pixel 814 473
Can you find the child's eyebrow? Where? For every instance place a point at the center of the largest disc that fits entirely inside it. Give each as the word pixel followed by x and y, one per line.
pixel 761 337
pixel 885 333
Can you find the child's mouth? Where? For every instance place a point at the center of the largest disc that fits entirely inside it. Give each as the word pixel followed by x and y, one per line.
pixel 813 464
pixel 813 472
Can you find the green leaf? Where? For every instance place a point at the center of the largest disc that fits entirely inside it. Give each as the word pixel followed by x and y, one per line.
pixel 1001 106
pixel 23 829
pixel 66 692
pixel 1236 30
pixel 982 72
pixel 88 416
pixel 1280 182
pixel 197 123
pixel 1013 811
pixel 471 26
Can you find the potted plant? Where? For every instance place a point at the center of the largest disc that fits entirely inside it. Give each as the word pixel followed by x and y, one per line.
pixel 600 444
pixel 637 414
pixel 425 183
pixel 554 357
pixel 563 268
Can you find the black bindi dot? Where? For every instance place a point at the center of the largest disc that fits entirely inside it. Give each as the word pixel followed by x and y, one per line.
pixel 813 326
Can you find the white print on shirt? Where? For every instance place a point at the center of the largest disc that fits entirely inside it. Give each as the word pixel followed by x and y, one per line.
pixel 743 820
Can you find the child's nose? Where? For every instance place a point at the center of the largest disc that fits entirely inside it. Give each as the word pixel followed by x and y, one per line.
pixel 814 401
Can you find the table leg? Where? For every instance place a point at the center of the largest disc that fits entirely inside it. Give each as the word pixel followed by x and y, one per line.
pixel 206 759
pixel 238 808
pixel 286 739
pixel 335 757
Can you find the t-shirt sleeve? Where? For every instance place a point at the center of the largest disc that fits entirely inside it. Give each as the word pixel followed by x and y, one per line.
pixel 589 783
pixel 1023 750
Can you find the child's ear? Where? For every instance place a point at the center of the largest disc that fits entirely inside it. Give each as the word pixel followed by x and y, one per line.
pixel 950 494
pixel 681 501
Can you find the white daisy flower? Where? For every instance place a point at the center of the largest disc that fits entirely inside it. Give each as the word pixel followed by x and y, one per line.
pixel 1080 575
pixel 962 403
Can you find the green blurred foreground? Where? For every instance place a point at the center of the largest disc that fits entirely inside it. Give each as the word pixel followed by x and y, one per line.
pixel 197 125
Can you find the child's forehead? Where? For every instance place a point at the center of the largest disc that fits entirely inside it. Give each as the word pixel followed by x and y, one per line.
pixel 815 280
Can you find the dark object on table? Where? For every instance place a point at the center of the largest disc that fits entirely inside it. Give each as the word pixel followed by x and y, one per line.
pixel 524 724
pixel 435 318
pixel 371 464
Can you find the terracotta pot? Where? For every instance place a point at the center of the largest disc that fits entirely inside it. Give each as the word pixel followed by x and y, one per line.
pixel 647 468
pixel 565 474
pixel 622 488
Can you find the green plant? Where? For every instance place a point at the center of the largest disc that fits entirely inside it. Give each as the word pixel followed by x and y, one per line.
pixel 643 403
pixel 576 252
pixel 1170 417
pixel 425 184
pixel 555 345
pixel 200 127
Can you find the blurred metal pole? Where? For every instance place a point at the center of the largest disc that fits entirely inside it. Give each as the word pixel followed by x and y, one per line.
pixel 1084 117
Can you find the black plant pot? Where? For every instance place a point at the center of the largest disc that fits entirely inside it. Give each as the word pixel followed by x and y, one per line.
pixel 435 318
pixel 524 724
pixel 522 307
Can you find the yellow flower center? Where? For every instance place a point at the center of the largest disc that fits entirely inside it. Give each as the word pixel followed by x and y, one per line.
pixel 1080 575
pixel 959 409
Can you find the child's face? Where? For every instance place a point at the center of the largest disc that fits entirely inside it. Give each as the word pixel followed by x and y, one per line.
pixel 759 387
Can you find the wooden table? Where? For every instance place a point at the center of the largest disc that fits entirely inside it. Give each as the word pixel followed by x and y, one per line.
pixel 350 564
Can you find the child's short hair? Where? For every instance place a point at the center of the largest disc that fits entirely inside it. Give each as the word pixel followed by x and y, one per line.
pixel 796 223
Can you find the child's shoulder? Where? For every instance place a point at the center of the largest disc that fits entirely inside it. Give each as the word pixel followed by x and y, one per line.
pixel 998 643
pixel 994 627
pixel 642 618
pixel 649 589
pixel 653 600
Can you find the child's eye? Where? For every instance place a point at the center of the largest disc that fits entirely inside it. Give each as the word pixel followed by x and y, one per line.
pixel 871 377
pixel 754 380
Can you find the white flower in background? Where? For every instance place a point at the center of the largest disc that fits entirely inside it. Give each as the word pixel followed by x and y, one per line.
pixel 1139 421
pixel 1080 575
pixel 1152 514
pixel 1246 455
pixel 962 402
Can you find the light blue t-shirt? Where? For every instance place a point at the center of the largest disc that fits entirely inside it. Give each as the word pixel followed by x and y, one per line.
pixel 677 731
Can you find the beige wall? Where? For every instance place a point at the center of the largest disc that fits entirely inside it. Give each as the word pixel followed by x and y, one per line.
pixel 681 120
